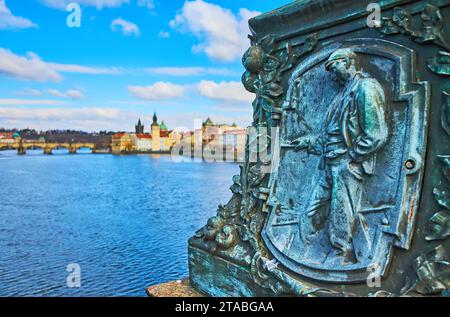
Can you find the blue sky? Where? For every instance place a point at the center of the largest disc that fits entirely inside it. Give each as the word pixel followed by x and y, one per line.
pixel 128 58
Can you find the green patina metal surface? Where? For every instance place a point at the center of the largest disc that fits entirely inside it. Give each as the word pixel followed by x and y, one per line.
pixel 355 199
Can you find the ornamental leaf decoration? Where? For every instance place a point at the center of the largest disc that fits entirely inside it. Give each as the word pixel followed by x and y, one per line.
pixel 310 42
pixel 445 161
pixel 439 226
pixel 445 112
pixel 402 19
pixel 265 63
pixel 430 273
pixel 400 22
pixel 266 103
pixel 439 223
pixel 442 195
pixel 430 31
pixel 440 63
pixel 273 89
pixel 268 44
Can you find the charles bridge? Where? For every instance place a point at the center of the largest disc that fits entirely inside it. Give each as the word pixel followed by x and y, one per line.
pixel 22 146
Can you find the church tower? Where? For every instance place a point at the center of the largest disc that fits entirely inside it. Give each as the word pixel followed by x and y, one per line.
pixel 139 128
pixel 156 142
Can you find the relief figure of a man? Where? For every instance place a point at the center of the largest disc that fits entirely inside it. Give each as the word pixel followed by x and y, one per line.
pixel 354 130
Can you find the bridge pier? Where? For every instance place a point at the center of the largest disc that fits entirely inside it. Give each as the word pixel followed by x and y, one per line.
pixel 72 150
pixel 21 150
pixel 48 150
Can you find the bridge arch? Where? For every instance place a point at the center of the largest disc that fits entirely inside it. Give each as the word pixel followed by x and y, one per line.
pixel 78 146
pixel 85 145
pixel 38 147
pixel 33 146
pixel 6 146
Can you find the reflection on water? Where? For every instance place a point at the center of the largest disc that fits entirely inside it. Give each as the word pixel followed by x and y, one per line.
pixel 124 219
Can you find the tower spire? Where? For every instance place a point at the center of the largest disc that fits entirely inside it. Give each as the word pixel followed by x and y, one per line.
pixel 139 128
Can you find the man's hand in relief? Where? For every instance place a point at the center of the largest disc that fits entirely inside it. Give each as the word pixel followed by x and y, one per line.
pixel 301 143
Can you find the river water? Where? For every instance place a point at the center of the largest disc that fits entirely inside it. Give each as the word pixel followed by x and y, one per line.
pixel 123 221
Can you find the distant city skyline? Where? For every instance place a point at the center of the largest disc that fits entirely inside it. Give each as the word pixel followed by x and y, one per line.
pixel 145 126
pixel 128 59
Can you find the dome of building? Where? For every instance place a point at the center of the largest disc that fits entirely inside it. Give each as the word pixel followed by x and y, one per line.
pixel 163 126
pixel 16 135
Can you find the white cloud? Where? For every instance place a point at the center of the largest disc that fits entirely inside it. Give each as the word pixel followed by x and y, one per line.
pixel 88 119
pixel 189 71
pixel 28 92
pixel 10 21
pixel 71 93
pixel 29 102
pixel 222 34
pixel 75 94
pixel 128 28
pixel 29 67
pixel 157 91
pixel 56 93
pixel 163 34
pixel 70 68
pixel 149 4
pixel 99 4
pixel 232 91
pixel 32 67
